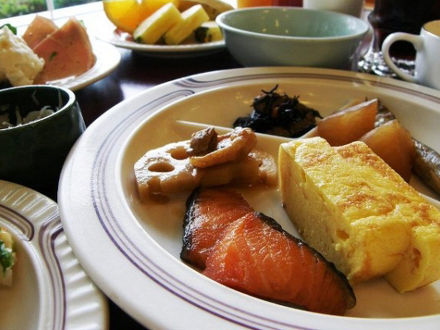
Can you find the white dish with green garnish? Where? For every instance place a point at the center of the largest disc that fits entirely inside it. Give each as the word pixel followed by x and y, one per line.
pixel 47 288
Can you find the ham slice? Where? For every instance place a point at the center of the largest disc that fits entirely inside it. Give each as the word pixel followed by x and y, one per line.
pixel 39 29
pixel 66 52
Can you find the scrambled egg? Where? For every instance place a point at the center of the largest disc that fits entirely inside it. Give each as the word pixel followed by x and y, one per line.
pixel 18 63
pixel 361 215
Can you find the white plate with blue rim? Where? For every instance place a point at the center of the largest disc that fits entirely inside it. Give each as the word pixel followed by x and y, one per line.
pixel 140 242
pixel 49 289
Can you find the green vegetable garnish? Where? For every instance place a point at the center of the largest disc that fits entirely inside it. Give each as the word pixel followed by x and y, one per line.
pixel 52 55
pixel 6 257
pixel 12 28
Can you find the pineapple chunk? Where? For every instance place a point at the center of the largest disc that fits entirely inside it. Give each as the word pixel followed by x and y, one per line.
pixel 153 27
pixel 192 19
pixel 207 32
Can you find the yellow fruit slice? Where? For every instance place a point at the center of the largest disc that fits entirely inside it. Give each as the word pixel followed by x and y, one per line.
pixel 150 6
pixel 153 27
pixel 125 14
pixel 192 19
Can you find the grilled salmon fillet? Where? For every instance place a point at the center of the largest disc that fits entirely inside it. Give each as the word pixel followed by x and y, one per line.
pixel 250 252
pixel 256 256
pixel 209 211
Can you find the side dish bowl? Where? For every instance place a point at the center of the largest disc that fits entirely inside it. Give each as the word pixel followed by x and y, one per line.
pixel 280 36
pixel 32 153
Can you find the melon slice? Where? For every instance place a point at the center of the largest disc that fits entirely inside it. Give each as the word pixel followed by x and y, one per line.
pixel 66 52
pixel 39 29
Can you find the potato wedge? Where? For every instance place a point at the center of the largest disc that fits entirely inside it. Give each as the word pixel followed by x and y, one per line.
pixel 393 143
pixel 350 124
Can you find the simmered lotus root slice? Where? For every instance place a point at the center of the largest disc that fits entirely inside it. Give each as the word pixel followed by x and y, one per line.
pixel 267 169
pixel 258 167
pixel 230 147
pixel 168 169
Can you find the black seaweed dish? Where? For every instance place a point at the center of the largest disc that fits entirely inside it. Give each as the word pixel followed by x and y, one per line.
pixel 278 114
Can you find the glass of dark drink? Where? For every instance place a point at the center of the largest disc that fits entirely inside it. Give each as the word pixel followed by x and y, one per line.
pixel 389 16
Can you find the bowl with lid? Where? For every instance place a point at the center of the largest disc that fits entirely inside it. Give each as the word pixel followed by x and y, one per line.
pixel 38 126
pixel 289 36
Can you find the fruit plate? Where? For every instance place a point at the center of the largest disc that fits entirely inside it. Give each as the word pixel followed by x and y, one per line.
pixel 50 289
pixel 140 242
pixel 124 40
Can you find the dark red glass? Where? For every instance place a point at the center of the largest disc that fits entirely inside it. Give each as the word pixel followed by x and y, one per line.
pixel 390 16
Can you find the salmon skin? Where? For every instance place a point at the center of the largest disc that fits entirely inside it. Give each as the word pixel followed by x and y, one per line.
pixel 250 252
pixel 209 211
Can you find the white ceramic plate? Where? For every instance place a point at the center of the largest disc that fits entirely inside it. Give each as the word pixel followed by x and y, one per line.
pixel 107 59
pixel 50 289
pixel 140 243
pixel 123 40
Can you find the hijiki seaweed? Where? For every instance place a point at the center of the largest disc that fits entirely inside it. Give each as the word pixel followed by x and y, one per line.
pixel 278 114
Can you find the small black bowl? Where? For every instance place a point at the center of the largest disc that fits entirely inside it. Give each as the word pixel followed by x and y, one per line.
pixel 33 154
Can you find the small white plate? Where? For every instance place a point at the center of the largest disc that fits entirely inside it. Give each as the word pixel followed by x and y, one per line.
pixel 107 59
pixel 140 242
pixel 50 289
pixel 124 40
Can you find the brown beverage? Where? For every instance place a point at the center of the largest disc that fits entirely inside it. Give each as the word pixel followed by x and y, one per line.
pixel 390 16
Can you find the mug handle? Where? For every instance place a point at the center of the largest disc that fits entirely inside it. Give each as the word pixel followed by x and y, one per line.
pixel 417 42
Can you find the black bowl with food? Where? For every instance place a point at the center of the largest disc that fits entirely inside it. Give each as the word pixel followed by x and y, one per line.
pixel 38 126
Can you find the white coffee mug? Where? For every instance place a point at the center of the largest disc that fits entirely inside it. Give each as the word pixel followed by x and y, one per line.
pixel 350 7
pixel 427 63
